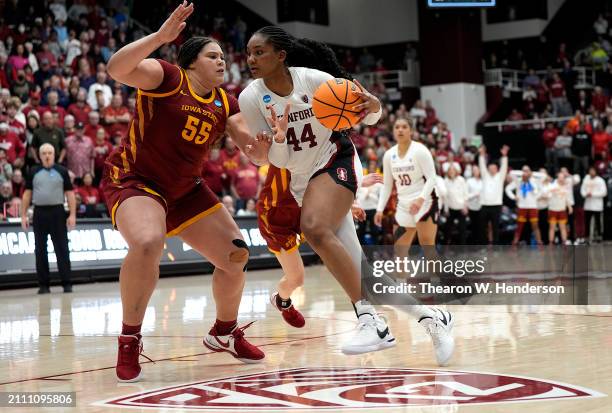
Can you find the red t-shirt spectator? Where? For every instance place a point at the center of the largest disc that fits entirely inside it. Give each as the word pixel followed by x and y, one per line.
pixel 557 88
pixel 601 141
pixel 80 113
pixel 17 128
pixel 61 113
pixel 116 127
pixel 101 151
pixel 213 173
pixel 599 101
pixel 89 194
pixel 245 181
pixel 230 161
pixel 11 143
pixel 548 136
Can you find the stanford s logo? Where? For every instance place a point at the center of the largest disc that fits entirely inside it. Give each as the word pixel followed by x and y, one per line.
pixel 332 388
pixel 342 175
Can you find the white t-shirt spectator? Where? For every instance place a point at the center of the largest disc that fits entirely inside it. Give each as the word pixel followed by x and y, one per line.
pixel 492 186
pixel 456 192
pixel 474 186
pixel 594 190
pixel 368 197
pixel 91 95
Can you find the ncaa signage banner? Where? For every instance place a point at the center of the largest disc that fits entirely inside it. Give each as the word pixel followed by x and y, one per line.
pixel 94 244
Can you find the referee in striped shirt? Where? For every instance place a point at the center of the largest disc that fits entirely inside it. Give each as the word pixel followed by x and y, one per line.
pixel 46 187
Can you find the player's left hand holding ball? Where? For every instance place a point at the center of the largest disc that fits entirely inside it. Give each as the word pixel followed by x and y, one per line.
pixel 370 103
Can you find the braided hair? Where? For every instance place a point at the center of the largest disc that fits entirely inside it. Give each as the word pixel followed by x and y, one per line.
pixel 304 52
pixel 189 51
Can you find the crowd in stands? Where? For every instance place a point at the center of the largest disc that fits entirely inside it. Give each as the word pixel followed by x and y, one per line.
pixel 54 89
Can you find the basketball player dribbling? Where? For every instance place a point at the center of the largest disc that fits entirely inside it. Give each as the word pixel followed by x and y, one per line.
pixel 153 187
pixel 324 166
pixel 410 166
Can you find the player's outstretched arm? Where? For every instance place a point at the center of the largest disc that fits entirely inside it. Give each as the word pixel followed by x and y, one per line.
pixel 130 66
pixel 255 148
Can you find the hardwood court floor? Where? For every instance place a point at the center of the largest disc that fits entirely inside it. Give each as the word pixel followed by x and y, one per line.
pixel 67 342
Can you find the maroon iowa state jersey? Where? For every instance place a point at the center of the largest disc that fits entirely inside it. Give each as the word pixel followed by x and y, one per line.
pixel 172 131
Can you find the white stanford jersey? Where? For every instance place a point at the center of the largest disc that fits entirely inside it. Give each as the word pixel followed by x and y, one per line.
pixel 414 174
pixel 308 146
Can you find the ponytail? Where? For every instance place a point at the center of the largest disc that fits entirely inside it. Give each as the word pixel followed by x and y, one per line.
pixel 304 52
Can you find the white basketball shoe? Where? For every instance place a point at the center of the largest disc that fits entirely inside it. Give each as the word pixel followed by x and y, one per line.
pixel 439 326
pixel 372 334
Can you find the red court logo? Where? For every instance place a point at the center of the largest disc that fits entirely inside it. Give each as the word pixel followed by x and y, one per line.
pixel 351 387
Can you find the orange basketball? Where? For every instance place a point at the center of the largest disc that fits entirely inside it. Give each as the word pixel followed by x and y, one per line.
pixel 333 103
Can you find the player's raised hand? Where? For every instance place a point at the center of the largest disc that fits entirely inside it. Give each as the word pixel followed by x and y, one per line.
pixel 370 104
pixel 504 150
pixel 279 126
pixel 175 23
pixel 371 179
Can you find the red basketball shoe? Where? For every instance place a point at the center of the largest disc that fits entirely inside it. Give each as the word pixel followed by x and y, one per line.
pixel 292 316
pixel 128 367
pixel 235 344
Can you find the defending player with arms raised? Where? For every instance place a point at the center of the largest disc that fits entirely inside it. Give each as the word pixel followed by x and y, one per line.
pixel 153 187
pixel 410 165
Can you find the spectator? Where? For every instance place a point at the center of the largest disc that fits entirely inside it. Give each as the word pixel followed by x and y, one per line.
pixel 456 204
pixel 16 126
pixel 601 25
pixel 90 196
pixel 601 140
pixel 228 203
pixel 18 60
pixel 245 182
pixel 116 116
pixel 6 194
pixel 451 162
pixel 18 183
pixel 557 94
pixel 543 181
pixel 45 189
pixel 93 125
pixel 69 125
pixel 34 104
pixel 249 209
pixel 80 153
pixel 213 172
pixel 44 73
pixel 599 100
pixel 49 133
pixel 21 86
pixel 531 79
pixel 12 145
pixel 525 191
pixel 367 198
pixel 492 193
pixel 474 187
pixel 593 190
pixel 107 92
pixel 514 116
pixel 46 57
pixel 53 107
pixel 549 137
pixel 230 156
pixel 559 204
pixel 80 109
pixel 6 169
pixel 102 148
pixel 581 149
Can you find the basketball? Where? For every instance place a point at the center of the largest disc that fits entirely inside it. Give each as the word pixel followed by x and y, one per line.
pixel 333 102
